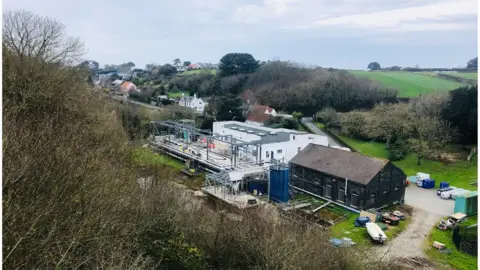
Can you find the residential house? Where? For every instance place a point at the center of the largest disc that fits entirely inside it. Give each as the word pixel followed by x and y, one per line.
pixel 259 114
pixel 194 103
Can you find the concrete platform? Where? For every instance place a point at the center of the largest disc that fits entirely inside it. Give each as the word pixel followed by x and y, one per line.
pixel 240 201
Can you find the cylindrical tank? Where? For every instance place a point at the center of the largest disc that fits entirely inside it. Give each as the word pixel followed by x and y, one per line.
pixel 279 179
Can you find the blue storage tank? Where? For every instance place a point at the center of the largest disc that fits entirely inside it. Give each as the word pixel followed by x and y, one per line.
pixel 279 179
pixel 428 183
pixel 444 185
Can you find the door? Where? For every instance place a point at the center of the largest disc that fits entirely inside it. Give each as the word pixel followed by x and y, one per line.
pixel 271 154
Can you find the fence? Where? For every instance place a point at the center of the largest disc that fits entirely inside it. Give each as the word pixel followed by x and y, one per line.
pixel 465 239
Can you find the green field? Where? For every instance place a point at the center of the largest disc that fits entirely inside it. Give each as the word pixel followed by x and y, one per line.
pixel 456 259
pixel 145 157
pixel 458 174
pixel 177 94
pixel 408 84
pixel 197 71
pixel 471 76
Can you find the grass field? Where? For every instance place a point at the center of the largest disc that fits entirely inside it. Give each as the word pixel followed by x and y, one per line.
pixel 471 76
pixel 177 94
pixel 408 84
pixel 145 157
pixel 456 259
pixel 458 174
pixel 191 72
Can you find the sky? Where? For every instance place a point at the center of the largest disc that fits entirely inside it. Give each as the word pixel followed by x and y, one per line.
pixel 345 34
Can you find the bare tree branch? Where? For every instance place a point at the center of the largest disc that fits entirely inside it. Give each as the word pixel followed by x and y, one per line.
pixel 30 35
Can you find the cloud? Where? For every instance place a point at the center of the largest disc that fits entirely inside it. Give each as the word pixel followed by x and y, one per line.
pixel 412 16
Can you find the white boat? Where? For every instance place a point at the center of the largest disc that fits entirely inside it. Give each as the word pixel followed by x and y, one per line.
pixel 376 232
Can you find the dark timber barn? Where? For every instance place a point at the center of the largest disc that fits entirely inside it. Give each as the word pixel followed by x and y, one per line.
pixel 352 179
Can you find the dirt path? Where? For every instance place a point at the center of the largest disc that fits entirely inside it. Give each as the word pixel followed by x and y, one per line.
pixel 410 242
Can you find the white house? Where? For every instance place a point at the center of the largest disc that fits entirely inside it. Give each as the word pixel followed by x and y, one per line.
pixel 281 144
pixel 193 102
pixel 260 114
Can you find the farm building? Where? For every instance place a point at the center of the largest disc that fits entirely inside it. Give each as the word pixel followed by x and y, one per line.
pixel 350 179
pixel 279 143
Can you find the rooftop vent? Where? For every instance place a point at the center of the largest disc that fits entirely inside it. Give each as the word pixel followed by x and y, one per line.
pixel 261 134
pixel 242 129
pixel 234 127
pixel 250 131
pixel 273 133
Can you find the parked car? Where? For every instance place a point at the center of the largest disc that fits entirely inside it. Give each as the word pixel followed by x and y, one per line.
pixel 441 190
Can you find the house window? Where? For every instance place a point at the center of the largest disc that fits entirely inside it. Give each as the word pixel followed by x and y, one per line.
pixel 299 149
pixel 279 151
pixel 294 137
pixel 328 191
pixel 341 195
pixel 371 200
pixel 267 154
pixel 354 200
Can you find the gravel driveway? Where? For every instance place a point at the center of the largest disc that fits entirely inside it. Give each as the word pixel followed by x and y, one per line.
pixel 428 210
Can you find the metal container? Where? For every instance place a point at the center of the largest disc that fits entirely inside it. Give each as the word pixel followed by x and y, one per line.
pixel 279 179
pixel 259 186
pixel 444 185
pixel 467 203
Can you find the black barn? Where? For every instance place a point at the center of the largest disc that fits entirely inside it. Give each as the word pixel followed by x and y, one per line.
pixel 352 179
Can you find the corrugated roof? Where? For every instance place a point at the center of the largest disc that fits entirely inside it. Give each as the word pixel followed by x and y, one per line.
pixel 353 166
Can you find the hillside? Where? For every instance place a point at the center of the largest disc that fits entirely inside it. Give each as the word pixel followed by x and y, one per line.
pixel 408 84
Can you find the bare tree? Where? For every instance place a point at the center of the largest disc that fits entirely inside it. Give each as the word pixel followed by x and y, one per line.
pixel 31 35
pixel 389 121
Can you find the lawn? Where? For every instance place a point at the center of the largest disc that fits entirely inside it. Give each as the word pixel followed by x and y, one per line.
pixel 458 174
pixel 456 259
pixel 359 235
pixel 408 84
pixel 145 156
pixel 192 72
pixel 177 94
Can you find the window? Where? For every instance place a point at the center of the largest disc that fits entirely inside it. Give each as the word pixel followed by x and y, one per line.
pixel 371 200
pixel 397 188
pixel 294 137
pixel 354 200
pixel 328 191
pixel 267 154
pixel 341 195
pixel 279 151
pixel 299 149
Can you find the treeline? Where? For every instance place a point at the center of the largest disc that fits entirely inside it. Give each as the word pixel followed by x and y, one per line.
pixel 424 125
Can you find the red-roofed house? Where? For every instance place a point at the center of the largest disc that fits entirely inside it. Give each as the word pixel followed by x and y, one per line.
pixel 260 114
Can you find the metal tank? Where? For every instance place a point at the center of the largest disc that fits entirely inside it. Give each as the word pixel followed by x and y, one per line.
pixel 279 179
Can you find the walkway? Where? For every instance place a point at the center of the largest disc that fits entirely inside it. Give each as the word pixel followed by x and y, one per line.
pixel 331 141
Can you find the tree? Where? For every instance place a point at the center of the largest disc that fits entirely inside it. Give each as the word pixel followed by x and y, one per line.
pixel 126 67
pixel 186 63
pixel 30 35
pixel 297 115
pixel 461 111
pixel 374 66
pixel 388 122
pixel 167 70
pixel 176 62
pixel 237 63
pixel 110 67
pixel 229 107
pixel 150 66
pixel 473 63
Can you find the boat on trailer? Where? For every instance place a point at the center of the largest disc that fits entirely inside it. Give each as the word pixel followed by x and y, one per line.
pixel 376 233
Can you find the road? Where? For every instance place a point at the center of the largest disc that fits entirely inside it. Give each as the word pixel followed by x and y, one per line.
pixel 331 141
pixel 120 98
pixel 429 209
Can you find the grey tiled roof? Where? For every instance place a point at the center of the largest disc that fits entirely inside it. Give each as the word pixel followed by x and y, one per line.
pixel 267 138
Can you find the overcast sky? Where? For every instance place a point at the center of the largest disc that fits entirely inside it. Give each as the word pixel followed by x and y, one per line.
pixel 328 33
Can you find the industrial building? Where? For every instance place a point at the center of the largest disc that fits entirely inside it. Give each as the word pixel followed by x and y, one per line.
pixel 352 180
pixel 279 144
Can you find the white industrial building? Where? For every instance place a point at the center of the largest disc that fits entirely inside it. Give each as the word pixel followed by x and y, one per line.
pixel 280 144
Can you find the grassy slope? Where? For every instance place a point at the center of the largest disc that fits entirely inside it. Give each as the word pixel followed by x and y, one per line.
pixel 408 84
pixel 191 72
pixel 177 94
pixel 145 156
pixel 457 259
pixel 471 76
pixel 458 174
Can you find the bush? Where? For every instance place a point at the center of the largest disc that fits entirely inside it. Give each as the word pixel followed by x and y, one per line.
pixel 397 150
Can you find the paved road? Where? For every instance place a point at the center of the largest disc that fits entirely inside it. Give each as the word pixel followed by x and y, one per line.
pixel 427 200
pixel 316 130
